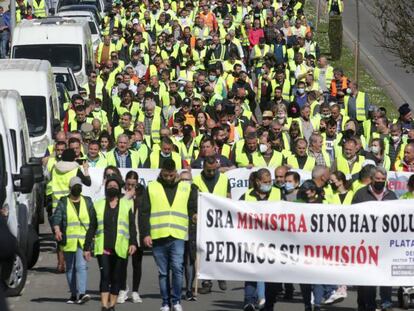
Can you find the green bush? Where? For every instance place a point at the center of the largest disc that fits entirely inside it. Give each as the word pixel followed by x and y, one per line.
pixel 335 36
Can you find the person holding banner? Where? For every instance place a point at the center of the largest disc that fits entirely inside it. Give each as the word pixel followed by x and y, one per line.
pixel 167 206
pixel 342 194
pixel 262 190
pixel 376 191
pixel 212 181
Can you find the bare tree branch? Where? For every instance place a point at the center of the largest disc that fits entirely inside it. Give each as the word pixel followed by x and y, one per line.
pixel 396 33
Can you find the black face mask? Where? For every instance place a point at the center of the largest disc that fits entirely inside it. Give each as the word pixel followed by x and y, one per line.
pixel 379 185
pixel 220 142
pixel 112 193
pixel 76 190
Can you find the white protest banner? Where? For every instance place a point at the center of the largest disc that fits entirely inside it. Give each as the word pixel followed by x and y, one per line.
pixel 361 244
pixel 238 178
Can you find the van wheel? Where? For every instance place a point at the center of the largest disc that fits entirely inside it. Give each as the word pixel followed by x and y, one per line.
pixel 17 279
pixel 33 248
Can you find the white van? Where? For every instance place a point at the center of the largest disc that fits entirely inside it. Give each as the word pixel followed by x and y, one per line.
pixel 12 107
pixel 63 42
pixel 65 75
pixel 34 81
pixel 81 16
pixel 10 185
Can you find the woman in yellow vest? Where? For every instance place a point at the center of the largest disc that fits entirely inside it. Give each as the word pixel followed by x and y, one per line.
pixel 70 223
pixel 262 190
pixel 114 232
pixel 377 154
pixel 342 193
pixel 409 195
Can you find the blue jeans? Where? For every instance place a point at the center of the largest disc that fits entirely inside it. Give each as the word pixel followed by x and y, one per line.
pixel 76 272
pixel 253 292
pixel 386 296
pixel 4 43
pixel 322 291
pixel 169 255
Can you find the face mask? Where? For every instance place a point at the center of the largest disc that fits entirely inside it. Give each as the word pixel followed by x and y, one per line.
pixel 277 185
pixel 220 142
pixel 301 91
pixel 348 91
pixel 265 188
pixel 375 149
pixel 137 144
pixel 115 39
pixel 178 138
pixel 289 187
pixel 76 190
pixel 281 116
pixel 165 155
pixel 395 138
pixel 379 185
pixel 193 68
pixel 212 78
pixel 97 109
pixel 263 148
pixel 112 192
pixel 327 116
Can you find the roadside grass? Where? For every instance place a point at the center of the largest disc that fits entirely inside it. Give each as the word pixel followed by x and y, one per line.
pixel 367 83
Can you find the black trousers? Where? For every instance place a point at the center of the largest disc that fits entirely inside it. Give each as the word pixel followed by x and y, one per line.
pixel 136 270
pixel 367 298
pixel 271 292
pixel 111 267
pixel 306 290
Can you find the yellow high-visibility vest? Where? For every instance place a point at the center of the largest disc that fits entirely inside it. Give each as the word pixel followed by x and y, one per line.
pixel 165 219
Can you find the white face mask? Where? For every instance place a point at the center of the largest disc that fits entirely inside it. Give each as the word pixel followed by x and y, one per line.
pixel 375 149
pixel 281 116
pixel 263 148
pixel 165 155
pixel 301 91
pixel 395 138
pixel 265 188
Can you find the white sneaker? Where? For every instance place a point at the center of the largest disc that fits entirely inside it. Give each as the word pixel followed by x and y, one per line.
pixel 177 307
pixel 136 298
pixel 122 296
pixel 165 308
pixel 335 298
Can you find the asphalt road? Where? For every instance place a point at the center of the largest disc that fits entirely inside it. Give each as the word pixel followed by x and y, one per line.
pixel 47 291
pixel 385 67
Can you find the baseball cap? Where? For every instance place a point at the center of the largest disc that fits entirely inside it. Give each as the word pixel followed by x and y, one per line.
pixel 135 21
pixel 75 181
pixel 267 114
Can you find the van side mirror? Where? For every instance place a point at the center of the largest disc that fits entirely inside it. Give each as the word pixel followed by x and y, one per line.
pixel 24 181
pixel 36 164
pixel 56 125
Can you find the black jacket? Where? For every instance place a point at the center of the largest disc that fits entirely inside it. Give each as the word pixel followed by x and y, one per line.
pixel 365 194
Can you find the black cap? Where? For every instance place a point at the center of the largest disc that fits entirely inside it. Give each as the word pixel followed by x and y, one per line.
pixel 68 155
pixel 404 109
pixel 168 165
pixel 186 102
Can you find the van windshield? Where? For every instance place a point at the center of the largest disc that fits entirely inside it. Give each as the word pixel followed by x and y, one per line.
pixel 66 79
pixel 59 55
pixel 35 109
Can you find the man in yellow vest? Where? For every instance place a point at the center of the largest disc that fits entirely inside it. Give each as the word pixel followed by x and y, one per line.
pixel 70 224
pixel 349 162
pixel 158 157
pixel 212 181
pixel 168 206
pixel 300 159
pixel 356 103
pixel 58 187
pixel 39 8
pixel 94 157
pixel 121 156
